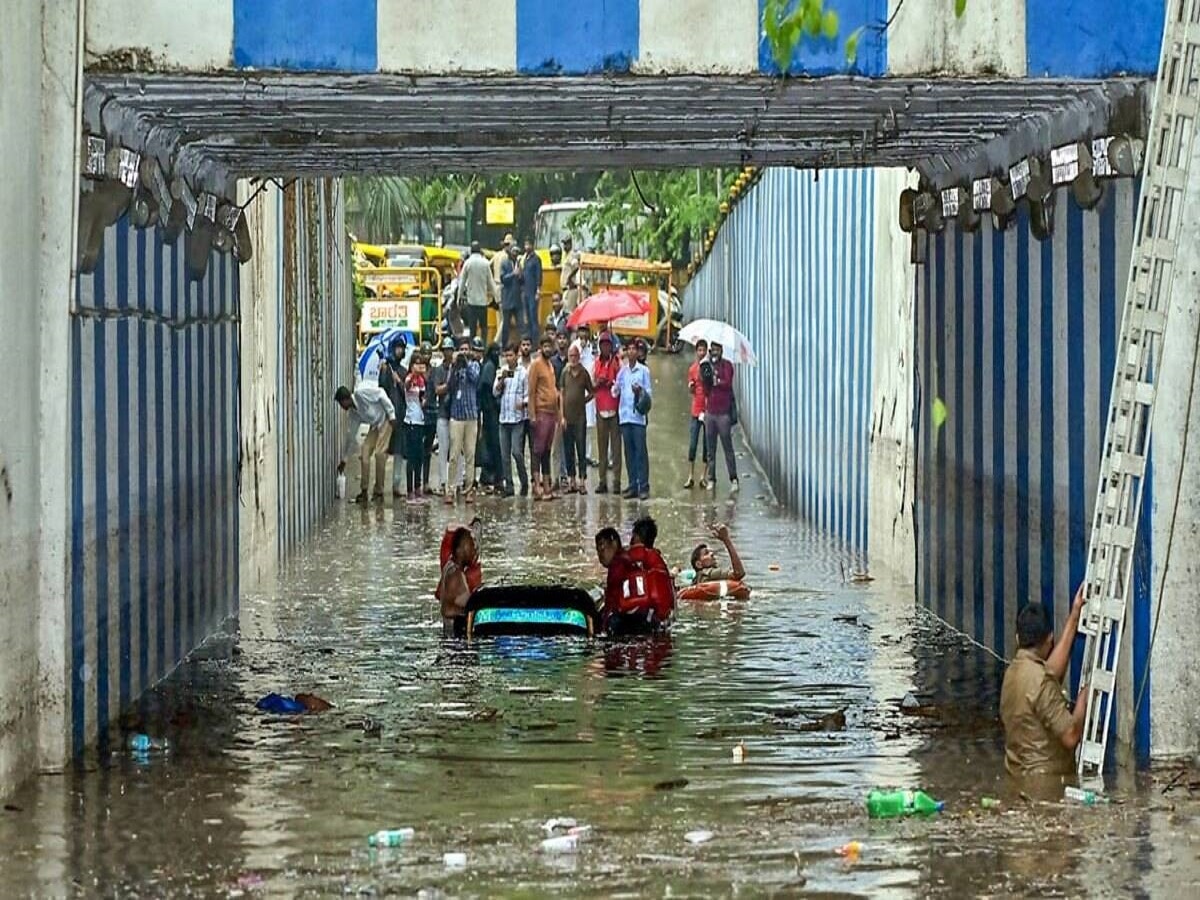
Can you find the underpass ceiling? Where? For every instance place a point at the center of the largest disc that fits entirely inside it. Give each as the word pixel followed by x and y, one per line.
pixel 305 125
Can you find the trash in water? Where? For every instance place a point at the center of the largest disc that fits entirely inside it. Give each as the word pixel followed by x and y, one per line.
pixel 850 850
pixel 390 837
pixel 558 824
pixel 314 704
pixel 700 836
pixel 143 743
pixel 454 860
pixel 910 701
pixel 367 725
pixel 671 784
pixel 277 703
pixel 773 567
pixel 1087 798
pixel 739 752
pixel 567 843
pixel 890 804
pixel 989 802
pixel 834 721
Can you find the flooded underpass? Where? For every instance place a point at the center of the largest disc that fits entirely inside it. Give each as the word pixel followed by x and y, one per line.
pixel 476 747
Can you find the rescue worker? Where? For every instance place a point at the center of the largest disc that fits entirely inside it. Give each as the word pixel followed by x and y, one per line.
pixel 640 593
pixel 1040 732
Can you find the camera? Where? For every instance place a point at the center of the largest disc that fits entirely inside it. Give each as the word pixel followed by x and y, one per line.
pixel 706 373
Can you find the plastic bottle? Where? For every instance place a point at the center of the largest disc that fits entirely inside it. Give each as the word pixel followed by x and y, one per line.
pixel 1087 798
pixel 390 837
pixel 143 743
pixel 989 802
pixel 566 843
pixel 889 804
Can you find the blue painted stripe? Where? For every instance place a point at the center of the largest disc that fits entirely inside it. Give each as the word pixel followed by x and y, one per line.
pixel 297 35
pixel 597 37
pixel 78 634
pixel 1022 462
pixel 144 549
pixel 926 546
pixel 100 545
pixel 978 547
pixel 125 636
pixel 1077 409
pixel 1000 624
pixel 178 439
pixel 160 467
pixel 186 402
pixel 1047 342
pixel 1077 38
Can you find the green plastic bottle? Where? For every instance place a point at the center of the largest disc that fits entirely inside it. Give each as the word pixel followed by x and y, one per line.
pixel 890 804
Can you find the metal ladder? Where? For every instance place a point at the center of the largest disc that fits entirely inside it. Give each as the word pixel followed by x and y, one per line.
pixel 1131 410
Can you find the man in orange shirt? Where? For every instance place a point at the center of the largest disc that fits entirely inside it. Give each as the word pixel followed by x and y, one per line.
pixel 696 389
pixel 543 417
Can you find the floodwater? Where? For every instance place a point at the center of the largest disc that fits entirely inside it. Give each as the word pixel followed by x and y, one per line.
pixel 476 747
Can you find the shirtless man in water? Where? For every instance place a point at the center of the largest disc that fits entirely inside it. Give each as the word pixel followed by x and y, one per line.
pixel 453 587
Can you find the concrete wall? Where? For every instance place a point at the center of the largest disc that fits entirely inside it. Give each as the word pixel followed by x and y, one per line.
pixel 1173 694
pixel 1049 37
pixel 806 267
pixel 315 352
pixel 153 438
pixel 38 139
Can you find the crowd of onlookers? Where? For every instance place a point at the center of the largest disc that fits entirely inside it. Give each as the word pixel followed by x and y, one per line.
pixel 514 416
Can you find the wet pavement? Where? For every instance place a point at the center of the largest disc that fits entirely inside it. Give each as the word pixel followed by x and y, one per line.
pixel 475 747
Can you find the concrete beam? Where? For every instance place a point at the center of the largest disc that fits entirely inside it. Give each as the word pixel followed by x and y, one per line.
pixel 275 124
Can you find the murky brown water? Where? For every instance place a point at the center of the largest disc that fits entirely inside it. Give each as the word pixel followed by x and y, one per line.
pixel 479 746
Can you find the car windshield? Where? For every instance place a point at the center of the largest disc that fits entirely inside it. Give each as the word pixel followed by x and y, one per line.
pixel 552 225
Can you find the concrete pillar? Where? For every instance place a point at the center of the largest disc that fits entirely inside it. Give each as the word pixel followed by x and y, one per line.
pixel 39 90
pixel 1173 692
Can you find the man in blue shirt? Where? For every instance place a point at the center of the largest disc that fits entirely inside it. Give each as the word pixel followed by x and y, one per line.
pixel 633 390
pixel 531 287
pixel 463 387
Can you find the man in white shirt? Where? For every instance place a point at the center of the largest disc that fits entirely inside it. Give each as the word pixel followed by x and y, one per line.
pixel 512 387
pixel 367 405
pixel 475 290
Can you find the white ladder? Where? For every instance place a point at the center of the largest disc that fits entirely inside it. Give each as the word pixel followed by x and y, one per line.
pixel 1131 409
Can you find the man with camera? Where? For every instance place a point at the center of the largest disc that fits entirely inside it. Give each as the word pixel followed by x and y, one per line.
pixel 633 389
pixel 512 387
pixel 463 388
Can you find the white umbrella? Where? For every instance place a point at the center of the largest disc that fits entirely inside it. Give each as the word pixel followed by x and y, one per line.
pixel 736 346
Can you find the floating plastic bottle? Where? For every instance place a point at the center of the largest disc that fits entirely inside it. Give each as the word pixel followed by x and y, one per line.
pixel 566 843
pixel 989 802
pixel 1087 798
pixel 890 804
pixel 143 743
pixel 390 837
pixel 454 860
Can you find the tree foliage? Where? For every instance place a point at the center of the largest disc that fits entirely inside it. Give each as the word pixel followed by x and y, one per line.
pixel 679 206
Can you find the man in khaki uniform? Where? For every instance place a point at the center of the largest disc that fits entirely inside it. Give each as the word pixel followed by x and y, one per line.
pixel 569 279
pixel 1040 732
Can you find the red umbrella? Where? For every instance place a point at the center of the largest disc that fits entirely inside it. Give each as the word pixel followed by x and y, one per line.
pixel 608 305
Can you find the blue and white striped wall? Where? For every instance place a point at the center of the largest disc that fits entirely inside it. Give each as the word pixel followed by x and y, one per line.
pixel 1018 339
pixel 155 363
pixel 153 469
pixel 315 316
pixel 1063 38
pixel 793 268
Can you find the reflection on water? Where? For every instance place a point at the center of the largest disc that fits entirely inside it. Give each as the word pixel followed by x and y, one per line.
pixel 475 747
